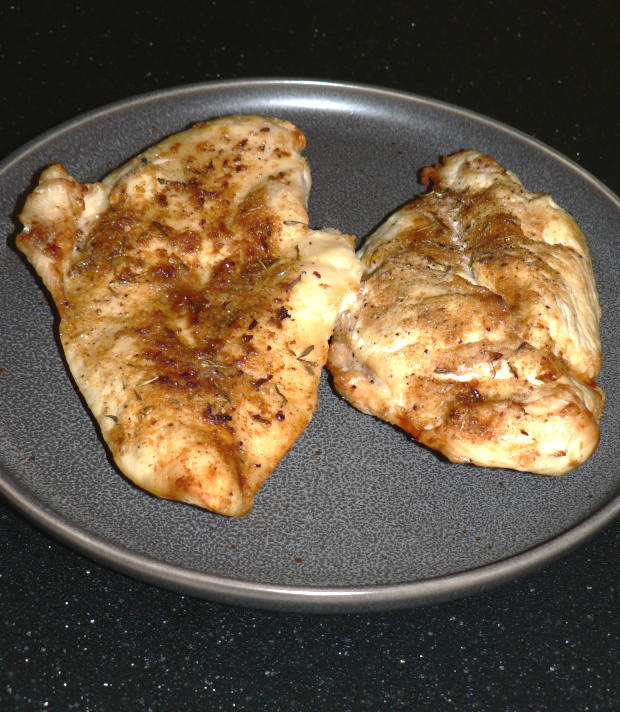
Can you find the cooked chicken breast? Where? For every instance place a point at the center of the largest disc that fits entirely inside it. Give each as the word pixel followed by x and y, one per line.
pixel 195 304
pixel 476 327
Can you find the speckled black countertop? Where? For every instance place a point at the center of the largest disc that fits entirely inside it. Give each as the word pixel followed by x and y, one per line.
pixel 75 635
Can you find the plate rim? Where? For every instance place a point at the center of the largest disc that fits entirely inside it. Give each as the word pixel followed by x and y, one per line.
pixel 308 599
pixel 222 84
pixel 301 598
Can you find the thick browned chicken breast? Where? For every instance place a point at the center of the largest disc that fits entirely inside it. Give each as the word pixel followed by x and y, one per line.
pixel 476 325
pixel 195 304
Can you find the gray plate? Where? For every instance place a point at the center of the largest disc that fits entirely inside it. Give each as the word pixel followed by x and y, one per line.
pixel 357 516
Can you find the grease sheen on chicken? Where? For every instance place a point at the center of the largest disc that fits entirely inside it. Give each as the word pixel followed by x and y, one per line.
pixel 195 304
pixel 476 327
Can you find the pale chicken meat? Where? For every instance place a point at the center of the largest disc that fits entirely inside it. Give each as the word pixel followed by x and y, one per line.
pixel 195 304
pixel 476 327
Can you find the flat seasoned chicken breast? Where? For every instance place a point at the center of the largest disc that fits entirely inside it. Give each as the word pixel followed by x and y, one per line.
pixel 476 328
pixel 195 304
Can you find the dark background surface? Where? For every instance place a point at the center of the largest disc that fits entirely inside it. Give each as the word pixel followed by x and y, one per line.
pixel 76 635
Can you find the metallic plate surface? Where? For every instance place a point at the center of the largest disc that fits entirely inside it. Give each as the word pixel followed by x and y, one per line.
pixel 357 516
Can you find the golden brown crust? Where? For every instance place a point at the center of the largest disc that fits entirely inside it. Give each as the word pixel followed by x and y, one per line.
pixel 195 303
pixel 476 325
